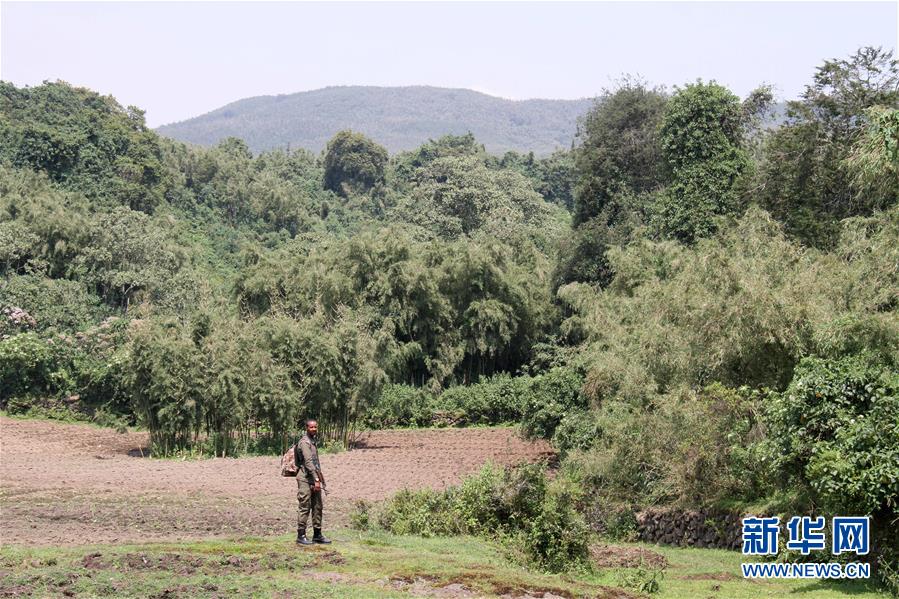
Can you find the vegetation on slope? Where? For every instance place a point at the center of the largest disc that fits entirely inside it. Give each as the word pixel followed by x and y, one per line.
pixel 400 118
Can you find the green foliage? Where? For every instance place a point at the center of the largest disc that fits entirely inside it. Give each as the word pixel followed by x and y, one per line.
pixel 353 163
pixel 166 392
pixel 435 309
pixel 740 308
pixel 460 197
pixel 557 537
pixel 401 405
pixel 835 432
pixel 537 518
pixel 618 167
pixel 495 400
pixel 874 161
pixel 620 149
pixel 41 227
pixel 541 403
pixel 645 578
pixel 701 139
pixel 76 376
pixel 26 365
pixel 552 177
pixel 125 255
pixel 499 399
pixel 85 141
pixel 582 255
pixel 551 397
pixel 818 166
pixel 691 449
pixel 405 164
pixel 425 513
pixel 577 429
pixel 55 304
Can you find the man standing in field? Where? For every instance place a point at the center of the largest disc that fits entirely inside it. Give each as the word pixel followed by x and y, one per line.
pixel 309 486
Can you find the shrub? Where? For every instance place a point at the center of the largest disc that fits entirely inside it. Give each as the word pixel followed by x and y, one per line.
pixel 645 578
pixel 691 448
pixel 557 537
pixel 834 432
pixel 495 400
pixel 466 401
pixel 426 513
pixel 538 520
pixel 578 429
pixel 361 515
pixel 400 405
pixel 27 365
pixel 551 397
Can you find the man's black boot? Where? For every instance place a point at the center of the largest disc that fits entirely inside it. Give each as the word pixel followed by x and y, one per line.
pixel 301 538
pixel 318 537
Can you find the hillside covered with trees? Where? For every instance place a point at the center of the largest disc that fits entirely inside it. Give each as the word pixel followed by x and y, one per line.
pixel 694 308
pixel 399 118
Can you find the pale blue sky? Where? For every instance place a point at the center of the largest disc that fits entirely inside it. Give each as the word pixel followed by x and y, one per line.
pixel 179 60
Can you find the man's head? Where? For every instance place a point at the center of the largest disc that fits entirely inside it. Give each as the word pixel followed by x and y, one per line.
pixel 311 427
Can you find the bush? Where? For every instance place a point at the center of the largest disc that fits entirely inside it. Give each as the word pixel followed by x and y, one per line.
pixel 690 448
pixel 426 513
pixel 27 365
pixel 551 397
pixel 834 432
pixel 578 429
pixel 499 399
pixel 557 536
pixel 495 400
pixel 536 519
pixel 400 405
pixel 361 515
pixel 57 304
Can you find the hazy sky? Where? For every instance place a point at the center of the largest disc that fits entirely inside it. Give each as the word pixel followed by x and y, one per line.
pixel 179 60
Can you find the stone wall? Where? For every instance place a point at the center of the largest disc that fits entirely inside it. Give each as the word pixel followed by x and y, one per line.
pixel 688 528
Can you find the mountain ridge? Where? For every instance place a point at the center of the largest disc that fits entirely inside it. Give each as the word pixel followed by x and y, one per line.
pixel 400 118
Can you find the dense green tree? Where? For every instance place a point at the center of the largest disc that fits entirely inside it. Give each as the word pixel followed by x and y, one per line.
pixel 620 149
pixel 448 146
pixel 552 177
pixel 833 435
pixel 461 197
pixel 701 140
pixel 41 227
pixel 353 164
pixel 85 141
pixel 126 255
pixel 874 161
pixel 807 177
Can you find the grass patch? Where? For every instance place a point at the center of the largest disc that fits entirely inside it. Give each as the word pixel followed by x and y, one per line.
pixel 368 564
pixel 716 573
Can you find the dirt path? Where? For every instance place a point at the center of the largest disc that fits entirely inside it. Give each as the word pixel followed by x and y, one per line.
pixel 74 484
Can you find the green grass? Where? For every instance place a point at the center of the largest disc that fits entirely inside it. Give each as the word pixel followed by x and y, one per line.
pixel 369 564
pixel 696 573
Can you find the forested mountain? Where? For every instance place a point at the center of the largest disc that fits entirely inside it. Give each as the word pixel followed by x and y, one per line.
pixel 400 118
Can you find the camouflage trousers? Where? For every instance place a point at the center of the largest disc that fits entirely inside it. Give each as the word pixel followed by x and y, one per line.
pixel 309 501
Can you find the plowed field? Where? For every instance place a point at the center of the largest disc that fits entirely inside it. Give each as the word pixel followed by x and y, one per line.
pixel 73 484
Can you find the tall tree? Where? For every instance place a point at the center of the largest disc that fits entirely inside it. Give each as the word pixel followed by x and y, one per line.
pixel 702 144
pixel 353 163
pixel 807 179
pixel 619 150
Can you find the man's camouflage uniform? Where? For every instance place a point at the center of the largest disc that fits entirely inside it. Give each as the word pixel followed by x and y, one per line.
pixel 309 471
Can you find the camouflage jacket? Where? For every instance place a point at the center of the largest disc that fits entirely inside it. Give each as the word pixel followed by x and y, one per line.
pixel 306 458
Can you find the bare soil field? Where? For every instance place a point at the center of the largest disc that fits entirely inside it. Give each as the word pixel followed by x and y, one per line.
pixel 69 484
